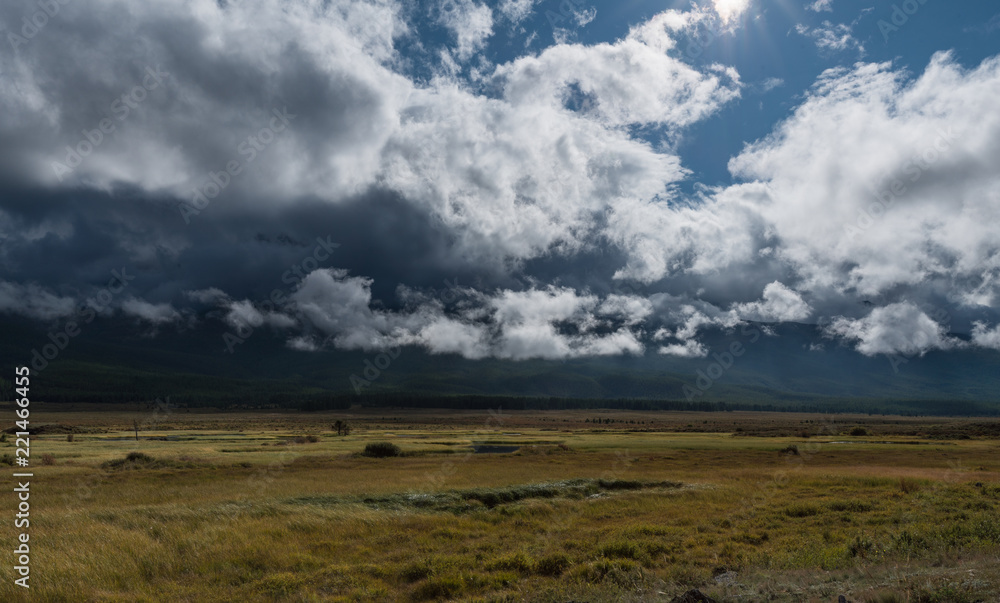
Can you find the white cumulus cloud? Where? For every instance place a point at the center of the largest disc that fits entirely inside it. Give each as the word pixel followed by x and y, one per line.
pixel 900 328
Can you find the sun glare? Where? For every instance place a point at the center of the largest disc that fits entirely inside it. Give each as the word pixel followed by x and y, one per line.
pixel 730 9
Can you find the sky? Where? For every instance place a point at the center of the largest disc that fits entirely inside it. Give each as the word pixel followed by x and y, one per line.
pixel 516 179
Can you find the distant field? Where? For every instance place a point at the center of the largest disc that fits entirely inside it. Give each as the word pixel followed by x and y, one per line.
pixel 592 506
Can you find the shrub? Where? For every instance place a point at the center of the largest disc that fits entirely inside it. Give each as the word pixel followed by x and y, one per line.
pixel 908 485
pixel 132 460
pixel 381 450
pixel 69 438
pixel 862 547
pixel 859 431
pixel 48 459
pixel 790 449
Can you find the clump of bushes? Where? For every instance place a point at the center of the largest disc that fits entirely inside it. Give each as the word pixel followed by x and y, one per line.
pixel 790 449
pixel 133 460
pixel 381 450
pixel 908 486
pixel 859 431
pixel 862 547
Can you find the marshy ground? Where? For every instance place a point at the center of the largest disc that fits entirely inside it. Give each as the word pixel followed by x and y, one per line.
pixel 522 506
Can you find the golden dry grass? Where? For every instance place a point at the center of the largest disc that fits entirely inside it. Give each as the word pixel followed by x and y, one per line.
pixel 229 511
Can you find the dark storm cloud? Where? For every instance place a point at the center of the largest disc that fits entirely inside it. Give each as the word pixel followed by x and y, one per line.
pixel 378 235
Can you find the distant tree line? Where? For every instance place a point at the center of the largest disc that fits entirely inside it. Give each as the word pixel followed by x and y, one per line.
pixel 94 384
pixel 828 405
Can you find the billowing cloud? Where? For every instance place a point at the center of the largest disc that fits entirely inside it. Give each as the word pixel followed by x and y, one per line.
pixel 877 183
pixel 529 324
pixel 295 93
pixel 689 349
pixel 984 336
pixel 779 304
pixel 546 181
pixel 538 323
pixel 900 328
pixel 633 81
pixel 470 23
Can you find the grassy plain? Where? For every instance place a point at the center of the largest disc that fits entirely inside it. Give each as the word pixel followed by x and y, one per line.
pixel 592 506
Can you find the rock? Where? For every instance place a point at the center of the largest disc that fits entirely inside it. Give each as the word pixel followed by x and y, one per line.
pixel 693 596
pixel 726 578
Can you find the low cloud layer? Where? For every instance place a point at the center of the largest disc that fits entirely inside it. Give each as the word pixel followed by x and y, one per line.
pixel 895 329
